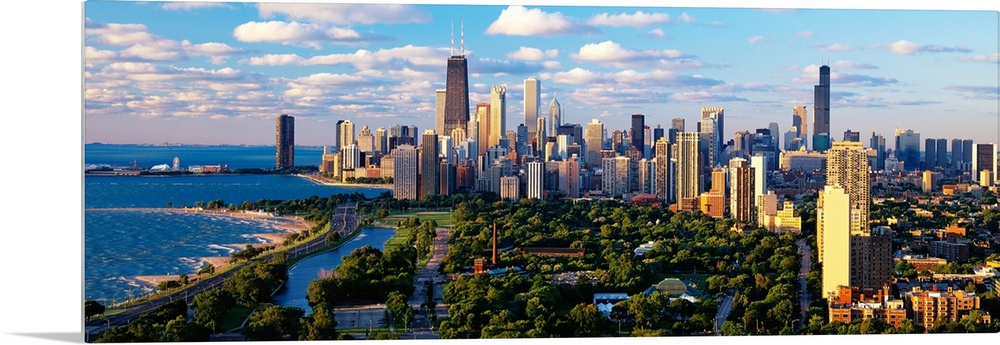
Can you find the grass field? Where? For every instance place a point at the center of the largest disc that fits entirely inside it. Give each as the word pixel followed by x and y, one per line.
pixel 235 318
pixel 443 218
pixel 696 281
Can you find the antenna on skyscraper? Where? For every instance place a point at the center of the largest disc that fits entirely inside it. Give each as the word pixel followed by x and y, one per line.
pixel 453 37
pixel 463 37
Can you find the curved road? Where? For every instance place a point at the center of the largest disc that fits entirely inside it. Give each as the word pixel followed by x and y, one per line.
pixel 343 221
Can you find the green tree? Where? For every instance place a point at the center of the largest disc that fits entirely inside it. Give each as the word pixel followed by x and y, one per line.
pixel 586 320
pixel 274 323
pixel 92 308
pixel 321 325
pixel 211 306
pixel 399 307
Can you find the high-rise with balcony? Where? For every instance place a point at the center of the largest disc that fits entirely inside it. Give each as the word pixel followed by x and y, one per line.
pixel 663 178
pixel 536 179
pixel 284 142
pixel 346 134
pixel 741 190
pixel 405 175
pixel 688 170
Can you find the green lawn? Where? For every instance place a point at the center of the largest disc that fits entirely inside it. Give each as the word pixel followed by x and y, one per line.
pixel 442 218
pixel 696 281
pixel 235 318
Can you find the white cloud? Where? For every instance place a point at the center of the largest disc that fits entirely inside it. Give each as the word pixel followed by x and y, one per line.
pixel 156 50
pixel 94 55
pixel 995 57
pixel 552 65
pixel 115 34
pixel 386 59
pixel 656 33
pixel 637 19
pixel 532 54
pixel 904 47
pixel 852 64
pixel 805 34
pixel 141 45
pixel 836 47
pixel 756 38
pixel 520 21
pixel 188 5
pixel 217 52
pixel 295 33
pixel 612 52
pixel 685 18
pixel 657 78
pixel 346 13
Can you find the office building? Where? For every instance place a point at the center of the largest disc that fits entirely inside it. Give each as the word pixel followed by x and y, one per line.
pixel 835 217
pixel 381 141
pixel 498 115
pixel 908 148
pixel 942 153
pixel 847 167
pixel 284 142
pixel 350 157
pixel 540 136
pixel 405 175
pixel 984 158
pixel 646 175
pixel 448 179
pixel 569 177
pixel 555 116
pixel 759 165
pixel 713 202
pixel 638 131
pixel 800 120
pixel 429 166
pixel 532 102
pixel 509 188
pixel 366 141
pixel 741 190
pixel 456 99
pixel 710 139
pixel 439 105
pixel 678 124
pixel 850 135
pixel 877 143
pixel 957 156
pixel 594 138
pixel 346 134
pixel 483 124
pixel 930 154
pixel 821 110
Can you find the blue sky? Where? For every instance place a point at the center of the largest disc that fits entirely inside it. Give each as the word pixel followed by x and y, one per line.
pixel 221 72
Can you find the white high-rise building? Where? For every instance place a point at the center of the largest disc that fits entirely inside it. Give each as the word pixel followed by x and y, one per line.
pixel 351 156
pixel 366 141
pixel 346 134
pixel 759 165
pixel 509 187
pixel 536 179
pixel 498 114
pixel 615 181
pixel 446 148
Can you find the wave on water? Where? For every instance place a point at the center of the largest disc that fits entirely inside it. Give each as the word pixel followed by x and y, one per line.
pixel 193 263
pixel 359 237
pixel 228 250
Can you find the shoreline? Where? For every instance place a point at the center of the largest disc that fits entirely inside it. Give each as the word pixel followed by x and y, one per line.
pixel 319 181
pixel 289 225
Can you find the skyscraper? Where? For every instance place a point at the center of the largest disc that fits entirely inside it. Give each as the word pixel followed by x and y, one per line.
pixel 555 116
pixel 405 174
pixel 346 134
pixel 835 243
pixel 439 104
pixel 532 92
pixel 498 114
pixel 483 124
pixel 664 182
pixel 930 153
pixel 594 138
pixel 569 177
pixel 877 143
pixel 741 190
pixel 536 179
pixel 719 114
pixel 284 142
pixel 381 142
pixel 540 136
pixel 984 158
pixel 456 108
pixel 908 148
pixel 847 167
pixel 942 152
pixel 688 170
pixel 678 124
pixel 850 135
pixel 708 129
pixel 821 109
pixel 957 155
pixel 800 120
pixel 366 141
pixel 429 167
pixel 616 176
pixel 638 132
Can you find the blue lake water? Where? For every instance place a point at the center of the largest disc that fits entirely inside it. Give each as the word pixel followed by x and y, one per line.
pixel 121 245
pixel 234 156
pixel 304 272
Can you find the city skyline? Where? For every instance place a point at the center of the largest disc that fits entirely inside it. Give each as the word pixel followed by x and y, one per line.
pixel 146 75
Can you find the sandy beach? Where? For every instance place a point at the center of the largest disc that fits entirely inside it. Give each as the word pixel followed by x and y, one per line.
pixel 288 224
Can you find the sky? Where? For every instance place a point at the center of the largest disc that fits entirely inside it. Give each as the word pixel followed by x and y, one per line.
pixel 220 73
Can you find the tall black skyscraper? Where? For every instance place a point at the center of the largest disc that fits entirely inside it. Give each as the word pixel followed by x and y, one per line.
pixel 821 108
pixel 284 142
pixel 456 98
pixel 430 169
pixel 638 131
